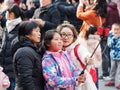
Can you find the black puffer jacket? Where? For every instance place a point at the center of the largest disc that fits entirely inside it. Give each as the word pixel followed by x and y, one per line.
pixel 6 59
pixel 28 68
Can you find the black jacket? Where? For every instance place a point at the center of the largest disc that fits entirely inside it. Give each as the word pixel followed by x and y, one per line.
pixel 6 59
pixel 28 67
pixel 70 12
pixel 29 13
pixel 50 15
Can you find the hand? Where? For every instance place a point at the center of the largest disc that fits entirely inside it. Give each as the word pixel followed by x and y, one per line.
pixel 81 2
pixel 89 60
pixel 40 22
pixel 23 6
pixel 86 3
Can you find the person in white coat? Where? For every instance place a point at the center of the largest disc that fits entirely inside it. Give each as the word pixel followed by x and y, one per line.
pixel 70 41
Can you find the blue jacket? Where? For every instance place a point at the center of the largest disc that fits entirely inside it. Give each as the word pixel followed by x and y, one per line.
pixel 114 44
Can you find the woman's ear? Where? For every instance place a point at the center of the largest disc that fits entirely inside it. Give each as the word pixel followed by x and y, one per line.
pixel 28 36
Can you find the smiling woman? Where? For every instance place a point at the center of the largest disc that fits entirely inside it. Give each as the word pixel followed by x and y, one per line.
pixel 31 31
pixel 78 52
pixel 27 60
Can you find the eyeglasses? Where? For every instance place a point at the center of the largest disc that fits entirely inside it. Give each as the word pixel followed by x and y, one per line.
pixel 67 35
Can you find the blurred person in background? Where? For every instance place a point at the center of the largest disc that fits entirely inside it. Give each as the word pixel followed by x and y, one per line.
pixel 95 14
pixel 112 14
pixel 91 14
pixel 6 5
pixel 112 17
pixel 14 17
pixel 31 7
pixel 47 16
pixel 118 6
pixel 113 42
pixel 69 10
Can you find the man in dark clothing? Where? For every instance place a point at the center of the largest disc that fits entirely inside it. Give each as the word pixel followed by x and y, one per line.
pixel 47 16
pixel 14 18
pixel 32 7
pixel 69 11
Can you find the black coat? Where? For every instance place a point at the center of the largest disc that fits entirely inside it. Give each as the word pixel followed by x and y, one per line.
pixel 6 59
pixel 29 13
pixel 70 12
pixel 50 15
pixel 28 67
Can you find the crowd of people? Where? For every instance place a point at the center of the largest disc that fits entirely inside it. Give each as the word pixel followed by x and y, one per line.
pixel 57 45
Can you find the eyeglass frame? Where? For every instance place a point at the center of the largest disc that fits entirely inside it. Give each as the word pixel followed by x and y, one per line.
pixel 67 35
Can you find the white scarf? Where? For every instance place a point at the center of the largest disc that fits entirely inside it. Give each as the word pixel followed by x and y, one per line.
pixel 10 24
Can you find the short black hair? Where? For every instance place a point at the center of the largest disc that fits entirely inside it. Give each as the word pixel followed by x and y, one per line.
pixel 26 27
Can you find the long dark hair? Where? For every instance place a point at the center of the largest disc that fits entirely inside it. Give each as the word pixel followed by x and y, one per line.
pixel 26 28
pixel 101 8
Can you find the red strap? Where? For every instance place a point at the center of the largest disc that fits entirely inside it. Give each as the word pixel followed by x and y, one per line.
pixel 76 54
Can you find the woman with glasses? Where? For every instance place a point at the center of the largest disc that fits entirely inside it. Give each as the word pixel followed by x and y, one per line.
pixel 70 42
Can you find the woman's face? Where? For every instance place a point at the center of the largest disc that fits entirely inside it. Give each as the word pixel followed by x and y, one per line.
pixel 56 43
pixel 9 15
pixel 35 35
pixel 67 36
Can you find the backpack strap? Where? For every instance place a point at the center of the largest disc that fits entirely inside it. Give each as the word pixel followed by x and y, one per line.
pixel 76 54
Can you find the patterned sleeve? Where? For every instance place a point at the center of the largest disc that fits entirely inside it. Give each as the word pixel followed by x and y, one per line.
pixel 75 71
pixel 111 40
pixel 53 77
